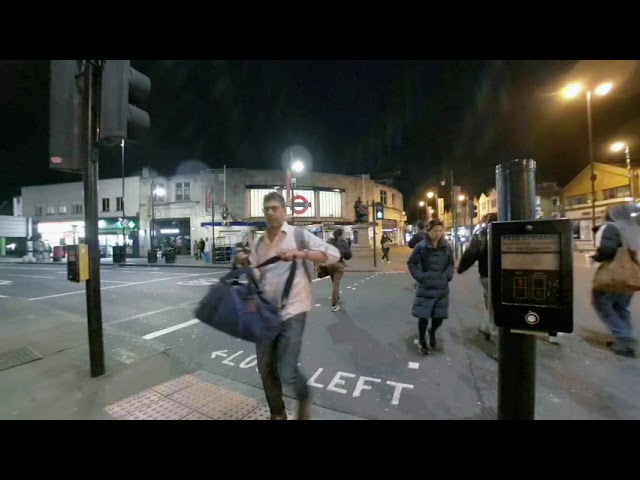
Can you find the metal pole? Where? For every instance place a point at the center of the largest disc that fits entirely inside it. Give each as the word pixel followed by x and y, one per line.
pixel 593 170
pixel 94 307
pixel 124 241
pixel 153 213
pixel 516 185
pixel 375 222
pixel 454 218
pixel 631 185
pixel 213 224
pixel 224 190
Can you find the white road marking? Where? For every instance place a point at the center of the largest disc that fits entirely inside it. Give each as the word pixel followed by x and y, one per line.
pixel 4 296
pixel 127 285
pixel 159 333
pixel 142 315
pixel 414 365
pixel 30 276
pixel 6 282
pixel 114 281
pixel 318 279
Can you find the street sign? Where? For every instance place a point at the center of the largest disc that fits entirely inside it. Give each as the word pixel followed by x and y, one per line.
pixel 300 204
pixel 124 222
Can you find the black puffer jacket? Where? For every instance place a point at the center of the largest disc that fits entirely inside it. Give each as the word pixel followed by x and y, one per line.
pixel 608 241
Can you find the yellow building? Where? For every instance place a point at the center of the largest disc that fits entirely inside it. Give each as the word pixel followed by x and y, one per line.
pixel 612 187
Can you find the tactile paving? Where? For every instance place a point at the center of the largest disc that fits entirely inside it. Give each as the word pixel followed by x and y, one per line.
pixel 176 385
pixel 128 405
pixel 165 409
pixel 230 406
pixel 197 395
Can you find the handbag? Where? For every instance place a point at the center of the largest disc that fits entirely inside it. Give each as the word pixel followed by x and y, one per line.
pixel 322 271
pixel 239 308
pixel 620 275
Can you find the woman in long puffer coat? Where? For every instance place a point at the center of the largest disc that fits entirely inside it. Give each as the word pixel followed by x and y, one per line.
pixel 431 265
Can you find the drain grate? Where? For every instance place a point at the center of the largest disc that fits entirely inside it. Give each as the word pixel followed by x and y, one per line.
pixel 20 356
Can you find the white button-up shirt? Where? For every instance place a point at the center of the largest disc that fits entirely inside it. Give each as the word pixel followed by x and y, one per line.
pixel 274 277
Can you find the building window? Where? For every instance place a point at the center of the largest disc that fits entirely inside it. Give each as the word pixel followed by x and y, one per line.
pixel 105 204
pixel 119 204
pixel 577 200
pixel 330 204
pixel 494 203
pixel 383 197
pixel 159 187
pixel 618 192
pixel 183 191
pixel 257 201
pixel 555 201
pixel 63 209
pixel 77 208
pixel 38 209
pixel 393 199
pixel 51 209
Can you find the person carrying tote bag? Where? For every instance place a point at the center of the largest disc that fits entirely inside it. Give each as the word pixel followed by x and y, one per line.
pixel 618 276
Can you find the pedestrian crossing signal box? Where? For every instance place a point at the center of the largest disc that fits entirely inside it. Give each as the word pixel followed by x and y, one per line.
pixel 531 275
pixel 77 263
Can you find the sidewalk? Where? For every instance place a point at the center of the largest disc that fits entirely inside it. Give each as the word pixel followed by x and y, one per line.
pixel 45 374
pixel 360 263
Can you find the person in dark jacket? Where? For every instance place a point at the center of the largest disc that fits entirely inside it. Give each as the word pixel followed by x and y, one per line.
pixel 478 252
pixel 431 265
pixel 419 236
pixel 621 227
pixel 336 270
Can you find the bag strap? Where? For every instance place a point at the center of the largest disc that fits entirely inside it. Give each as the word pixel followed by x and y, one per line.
pixel 302 244
pixel 289 284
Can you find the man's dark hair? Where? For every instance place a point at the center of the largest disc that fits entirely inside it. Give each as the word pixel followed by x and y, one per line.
pixel 275 197
pixel 420 225
pixel 337 233
pixel 434 223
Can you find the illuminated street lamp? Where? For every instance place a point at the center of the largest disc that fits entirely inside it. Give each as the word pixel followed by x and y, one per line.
pixel 571 91
pixel 617 147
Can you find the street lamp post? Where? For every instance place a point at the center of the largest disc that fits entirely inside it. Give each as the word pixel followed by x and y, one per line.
pixel 571 91
pixel 616 147
pixel 424 204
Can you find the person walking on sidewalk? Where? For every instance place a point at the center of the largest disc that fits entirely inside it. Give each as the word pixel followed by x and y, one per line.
pixel 621 229
pixel 478 251
pixel 419 236
pixel 431 265
pixel 336 270
pixel 278 359
pixel 385 243
pixel 196 249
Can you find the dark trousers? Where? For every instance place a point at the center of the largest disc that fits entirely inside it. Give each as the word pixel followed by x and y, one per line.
pixel 278 364
pixel 422 328
pixel 385 254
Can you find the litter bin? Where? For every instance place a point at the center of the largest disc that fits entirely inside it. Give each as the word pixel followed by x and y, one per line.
pixel 119 254
pixel 169 255
pixel 58 253
pixel 152 255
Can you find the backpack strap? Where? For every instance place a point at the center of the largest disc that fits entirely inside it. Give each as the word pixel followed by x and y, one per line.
pixel 301 244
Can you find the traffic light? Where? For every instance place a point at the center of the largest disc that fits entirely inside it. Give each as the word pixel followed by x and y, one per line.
pixel 379 211
pixel 473 210
pixel 123 102
pixel 68 137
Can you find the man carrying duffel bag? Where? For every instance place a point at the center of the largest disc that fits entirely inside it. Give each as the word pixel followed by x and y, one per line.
pixel 278 358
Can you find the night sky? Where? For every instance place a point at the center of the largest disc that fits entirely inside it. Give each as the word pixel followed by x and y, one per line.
pixel 422 118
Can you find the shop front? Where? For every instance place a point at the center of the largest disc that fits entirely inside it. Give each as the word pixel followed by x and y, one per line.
pixel 111 233
pixel 173 233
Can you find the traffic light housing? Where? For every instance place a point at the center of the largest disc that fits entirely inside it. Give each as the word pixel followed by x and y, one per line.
pixel 379 211
pixel 68 148
pixel 473 210
pixel 124 97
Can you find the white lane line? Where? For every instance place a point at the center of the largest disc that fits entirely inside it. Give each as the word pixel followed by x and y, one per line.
pixel 127 285
pixel 170 329
pixel 115 281
pixel 4 296
pixel 142 315
pixel 30 276
pixel 28 268
pixel 414 365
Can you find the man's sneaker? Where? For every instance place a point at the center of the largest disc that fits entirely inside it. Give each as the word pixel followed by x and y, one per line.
pixel 335 308
pixel 278 417
pixel 424 349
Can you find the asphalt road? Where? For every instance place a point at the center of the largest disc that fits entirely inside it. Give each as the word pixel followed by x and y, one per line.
pixel 363 359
